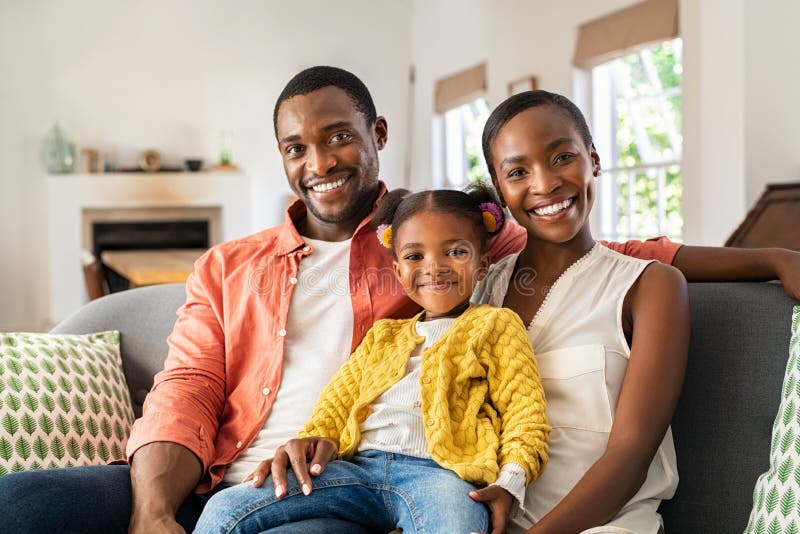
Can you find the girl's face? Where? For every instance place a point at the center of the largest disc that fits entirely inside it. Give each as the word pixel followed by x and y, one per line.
pixel 545 173
pixel 439 261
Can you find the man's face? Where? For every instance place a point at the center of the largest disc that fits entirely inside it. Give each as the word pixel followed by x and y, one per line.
pixel 330 154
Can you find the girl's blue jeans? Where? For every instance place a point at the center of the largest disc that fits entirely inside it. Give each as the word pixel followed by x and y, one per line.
pixel 378 490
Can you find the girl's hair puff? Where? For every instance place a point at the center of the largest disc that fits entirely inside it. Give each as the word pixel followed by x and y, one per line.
pixel 399 205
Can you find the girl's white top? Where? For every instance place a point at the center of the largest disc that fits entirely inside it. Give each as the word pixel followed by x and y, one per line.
pixel 582 353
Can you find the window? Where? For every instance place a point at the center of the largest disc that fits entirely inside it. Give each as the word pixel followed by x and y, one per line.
pixel 463 157
pixel 461 112
pixel 636 103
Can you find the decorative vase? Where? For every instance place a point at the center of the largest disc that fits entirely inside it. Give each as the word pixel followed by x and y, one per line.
pixel 58 154
pixel 225 155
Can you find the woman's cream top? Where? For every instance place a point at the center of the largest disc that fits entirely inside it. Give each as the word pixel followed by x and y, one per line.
pixel 582 353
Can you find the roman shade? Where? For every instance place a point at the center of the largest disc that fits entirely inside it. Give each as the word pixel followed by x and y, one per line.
pixel 623 31
pixel 460 88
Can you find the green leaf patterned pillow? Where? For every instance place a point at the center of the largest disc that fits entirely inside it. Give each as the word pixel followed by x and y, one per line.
pixel 63 401
pixel 776 499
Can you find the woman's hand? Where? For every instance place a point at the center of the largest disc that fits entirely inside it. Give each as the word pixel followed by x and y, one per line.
pixel 297 452
pixel 499 502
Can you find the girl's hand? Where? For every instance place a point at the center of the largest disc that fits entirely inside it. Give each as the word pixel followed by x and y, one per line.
pixel 297 452
pixel 499 502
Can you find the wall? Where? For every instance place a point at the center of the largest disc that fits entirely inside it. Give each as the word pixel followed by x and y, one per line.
pixel 714 172
pixel 772 86
pixel 126 76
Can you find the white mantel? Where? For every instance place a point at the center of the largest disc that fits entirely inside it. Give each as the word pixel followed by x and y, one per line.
pixel 69 195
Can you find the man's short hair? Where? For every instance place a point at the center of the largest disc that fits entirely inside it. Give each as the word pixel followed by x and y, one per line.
pixel 313 78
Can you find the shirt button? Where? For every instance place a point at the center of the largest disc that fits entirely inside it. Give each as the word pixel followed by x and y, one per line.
pixel 282 332
pixel 306 248
pixel 429 422
pixel 238 444
pixel 293 280
pixel 266 391
pixel 426 380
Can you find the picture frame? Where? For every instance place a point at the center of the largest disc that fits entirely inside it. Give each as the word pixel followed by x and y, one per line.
pixel 529 83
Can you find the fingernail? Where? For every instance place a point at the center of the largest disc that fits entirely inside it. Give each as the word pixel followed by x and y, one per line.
pixel 316 469
pixel 306 489
pixel 279 491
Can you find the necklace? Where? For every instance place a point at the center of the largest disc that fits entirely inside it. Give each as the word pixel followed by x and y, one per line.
pixel 572 267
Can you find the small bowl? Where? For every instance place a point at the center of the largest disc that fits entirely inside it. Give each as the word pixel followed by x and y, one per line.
pixel 194 165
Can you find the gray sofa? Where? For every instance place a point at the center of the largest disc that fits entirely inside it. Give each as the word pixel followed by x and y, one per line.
pixel 722 428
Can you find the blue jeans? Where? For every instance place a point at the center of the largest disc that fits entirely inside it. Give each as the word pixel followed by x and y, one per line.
pixel 96 499
pixel 378 490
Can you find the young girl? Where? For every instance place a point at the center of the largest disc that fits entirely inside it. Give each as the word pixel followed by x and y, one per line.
pixel 426 410
pixel 611 332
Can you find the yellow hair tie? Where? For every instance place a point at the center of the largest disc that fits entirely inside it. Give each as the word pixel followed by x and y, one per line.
pixel 492 216
pixel 489 222
pixel 385 235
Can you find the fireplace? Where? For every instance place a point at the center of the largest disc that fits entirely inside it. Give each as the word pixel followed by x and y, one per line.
pixel 179 227
pixel 76 203
pixel 144 235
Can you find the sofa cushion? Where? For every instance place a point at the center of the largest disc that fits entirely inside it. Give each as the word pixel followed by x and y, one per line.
pixel 144 318
pixel 722 426
pixel 777 492
pixel 63 401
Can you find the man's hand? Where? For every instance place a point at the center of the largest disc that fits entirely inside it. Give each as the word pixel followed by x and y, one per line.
pixel 162 475
pixel 499 502
pixel 297 453
pixel 731 264
pixel 787 269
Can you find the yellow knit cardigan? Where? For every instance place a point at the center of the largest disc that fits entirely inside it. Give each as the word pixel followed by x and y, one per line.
pixel 482 398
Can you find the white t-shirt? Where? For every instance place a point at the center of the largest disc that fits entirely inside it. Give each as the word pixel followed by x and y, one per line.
pixel 319 331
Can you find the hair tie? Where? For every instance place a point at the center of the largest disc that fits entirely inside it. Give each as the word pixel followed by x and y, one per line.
pixel 492 216
pixel 384 234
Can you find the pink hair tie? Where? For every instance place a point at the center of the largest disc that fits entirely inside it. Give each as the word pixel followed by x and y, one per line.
pixel 492 216
pixel 384 234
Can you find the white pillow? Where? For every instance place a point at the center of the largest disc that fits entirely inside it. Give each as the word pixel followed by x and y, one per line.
pixel 63 401
pixel 776 498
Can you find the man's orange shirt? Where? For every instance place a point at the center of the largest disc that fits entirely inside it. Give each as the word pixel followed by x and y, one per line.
pixel 226 351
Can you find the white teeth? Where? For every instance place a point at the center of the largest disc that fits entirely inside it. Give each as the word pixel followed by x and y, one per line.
pixel 321 188
pixel 552 209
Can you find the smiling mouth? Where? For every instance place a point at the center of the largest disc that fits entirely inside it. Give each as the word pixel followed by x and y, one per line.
pixel 436 286
pixel 553 209
pixel 330 186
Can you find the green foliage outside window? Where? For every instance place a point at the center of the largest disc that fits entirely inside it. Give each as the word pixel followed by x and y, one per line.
pixel 648 126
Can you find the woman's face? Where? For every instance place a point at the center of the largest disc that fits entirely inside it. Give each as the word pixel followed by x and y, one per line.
pixel 545 173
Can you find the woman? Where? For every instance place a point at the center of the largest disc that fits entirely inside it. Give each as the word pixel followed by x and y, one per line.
pixel 610 332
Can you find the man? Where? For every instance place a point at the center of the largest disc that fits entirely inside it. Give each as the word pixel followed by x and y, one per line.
pixel 266 323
